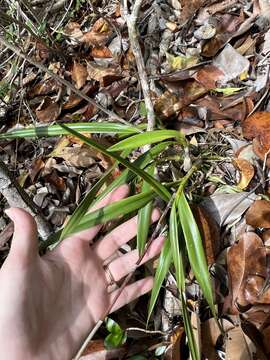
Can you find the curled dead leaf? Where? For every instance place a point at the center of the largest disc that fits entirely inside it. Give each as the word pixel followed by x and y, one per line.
pixel 99 34
pixel 258 215
pixel 48 110
pixel 79 74
pixel 246 171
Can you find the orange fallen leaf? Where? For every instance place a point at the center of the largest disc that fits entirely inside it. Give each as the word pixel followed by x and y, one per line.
pixel 208 76
pixel 48 110
pixel 257 128
pixel 99 34
pixel 258 215
pixel 246 170
pixel 101 52
pixel 79 74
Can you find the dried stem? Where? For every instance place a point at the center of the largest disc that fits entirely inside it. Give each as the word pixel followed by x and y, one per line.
pixel 131 20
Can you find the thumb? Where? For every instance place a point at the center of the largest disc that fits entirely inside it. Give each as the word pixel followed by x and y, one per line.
pixel 24 243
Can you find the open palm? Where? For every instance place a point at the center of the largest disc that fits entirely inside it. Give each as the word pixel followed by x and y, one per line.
pixel 49 304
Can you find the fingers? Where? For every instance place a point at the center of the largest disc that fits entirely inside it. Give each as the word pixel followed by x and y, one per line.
pixel 131 292
pixel 24 244
pixel 105 247
pixel 120 193
pixel 127 263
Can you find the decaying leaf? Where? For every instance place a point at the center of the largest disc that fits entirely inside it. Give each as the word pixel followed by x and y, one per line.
pixel 246 171
pixel 99 34
pixel 246 276
pixel 238 345
pixel 48 111
pixel 208 76
pixel 79 74
pixel 210 233
pixel 181 62
pixel 231 63
pixel 258 215
pixel 105 76
pixel 227 208
pixel 257 127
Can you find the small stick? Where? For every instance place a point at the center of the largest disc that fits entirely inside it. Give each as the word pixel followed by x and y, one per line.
pixel 62 81
pixel 131 20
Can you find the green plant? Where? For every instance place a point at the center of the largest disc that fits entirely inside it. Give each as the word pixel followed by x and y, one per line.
pixel 183 246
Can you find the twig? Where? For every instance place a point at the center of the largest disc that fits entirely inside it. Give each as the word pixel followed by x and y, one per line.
pixel 131 20
pixel 62 81
pixel 17 197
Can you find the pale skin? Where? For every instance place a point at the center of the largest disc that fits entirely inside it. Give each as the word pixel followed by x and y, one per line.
pixel 49 304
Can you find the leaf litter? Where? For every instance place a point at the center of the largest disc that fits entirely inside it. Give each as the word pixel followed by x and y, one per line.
pixel 208 67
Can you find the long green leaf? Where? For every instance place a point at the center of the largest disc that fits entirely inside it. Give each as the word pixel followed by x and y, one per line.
pixel 178 259
pixel 177 252
pixel 195 249
pixel 83 207
pixel 157 187
pixel 194 351
pixel 56 130
pixel 144 216
pixel 142 161
pixel 148 137
pixel 112 211
pixel 164 263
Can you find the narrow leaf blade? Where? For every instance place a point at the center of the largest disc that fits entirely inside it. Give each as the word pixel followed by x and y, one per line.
pixel 114 210
pixel 159 188
pixel 148 137
pixel 195 249
pixel 164 263
pixel 144 216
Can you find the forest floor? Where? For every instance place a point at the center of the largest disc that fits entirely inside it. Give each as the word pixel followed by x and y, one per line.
pixel 197 67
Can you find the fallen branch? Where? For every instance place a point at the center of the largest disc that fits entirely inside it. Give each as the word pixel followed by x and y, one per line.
pixel 17 197
pixel 62 81
pixel 131 20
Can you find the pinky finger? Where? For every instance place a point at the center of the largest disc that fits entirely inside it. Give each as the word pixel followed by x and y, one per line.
pixel 131 292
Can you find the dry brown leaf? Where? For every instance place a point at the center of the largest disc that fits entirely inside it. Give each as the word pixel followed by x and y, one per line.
pixel 75 100
pixel 78 156
pixel 190 7
pixel 238 345
pixel 246 170
pixel 210 233
pixel 36 167
pixel 246 276
pixel 45 87
pixel 99 34
pixel 96 351
pixel 73 30
pixel 48 110
pixel 79 74
pixel 101 52
pixel 173 350
pixel 257 127
pixel 258 215
pixel 57 181
pixel 210 333
pixel 208 76
pixel 105 76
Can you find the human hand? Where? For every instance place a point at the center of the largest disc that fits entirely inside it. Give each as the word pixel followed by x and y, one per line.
pixel 49 304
